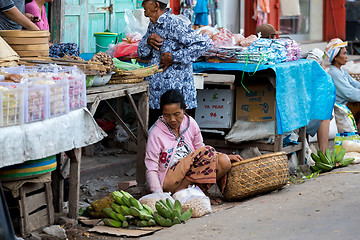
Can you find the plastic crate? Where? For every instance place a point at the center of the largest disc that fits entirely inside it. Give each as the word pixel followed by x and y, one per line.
pixel 12 104
pixel 37 103
pixel 77 91
pixel 20 69
pixel 77 84
pixel 59 98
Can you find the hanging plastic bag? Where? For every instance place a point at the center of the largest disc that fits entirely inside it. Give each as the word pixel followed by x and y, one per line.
pixel 152 198
pixel 192 197
pixel 133 25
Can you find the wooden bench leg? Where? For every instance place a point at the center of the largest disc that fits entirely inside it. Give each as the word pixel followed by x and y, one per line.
pixel 74 182
pixel 302 139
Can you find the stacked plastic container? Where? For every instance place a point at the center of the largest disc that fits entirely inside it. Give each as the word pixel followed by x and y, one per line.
pixel 12 99
pixel 44 93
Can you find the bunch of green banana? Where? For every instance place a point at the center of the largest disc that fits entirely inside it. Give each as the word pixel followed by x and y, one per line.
pixel 325 162
pixel 169 213
pixel 127 210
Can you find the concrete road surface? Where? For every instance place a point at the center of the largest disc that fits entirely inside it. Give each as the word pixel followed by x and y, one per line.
pixel 322 208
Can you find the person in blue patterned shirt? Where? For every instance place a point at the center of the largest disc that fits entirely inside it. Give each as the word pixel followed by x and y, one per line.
pixel 171 44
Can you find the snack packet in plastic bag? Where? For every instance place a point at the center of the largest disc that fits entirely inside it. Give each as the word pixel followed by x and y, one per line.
pixel 192 197
pixel 152 198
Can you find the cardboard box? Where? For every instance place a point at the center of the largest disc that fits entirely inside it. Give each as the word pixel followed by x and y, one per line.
pixel 256 106
pixel 215 108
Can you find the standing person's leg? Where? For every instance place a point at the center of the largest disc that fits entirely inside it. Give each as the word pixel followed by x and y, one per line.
pixel 323 134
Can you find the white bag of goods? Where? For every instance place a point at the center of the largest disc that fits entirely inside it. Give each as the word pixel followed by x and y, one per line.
pixel 152 198
pixel 192 197
pixel 355 155
pixel 345 120
pixel 351 146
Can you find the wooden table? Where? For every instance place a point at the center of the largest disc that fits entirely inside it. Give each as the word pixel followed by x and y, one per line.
pixel 40 139
pixel 112 91
pixel 278 142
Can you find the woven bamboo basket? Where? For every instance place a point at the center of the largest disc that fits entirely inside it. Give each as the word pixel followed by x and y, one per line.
pixel 355 76
pixel 257 175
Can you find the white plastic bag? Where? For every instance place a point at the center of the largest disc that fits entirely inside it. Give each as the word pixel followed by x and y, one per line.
pixel 243 131
pixel 192 197
pixel 152 198
pixel 351 146
pixel 133 25
pixel 345 121
pixel 355 155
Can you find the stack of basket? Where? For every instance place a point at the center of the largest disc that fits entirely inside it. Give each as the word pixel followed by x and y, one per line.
pixel 133 76
pixel 27 43
pixel 355 76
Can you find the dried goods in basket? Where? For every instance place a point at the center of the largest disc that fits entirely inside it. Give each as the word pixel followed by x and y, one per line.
pixel 355 76
pixel 118 80
pixel 257 175
pixel 138 73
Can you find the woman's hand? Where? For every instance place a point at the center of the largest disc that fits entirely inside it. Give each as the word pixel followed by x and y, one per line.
pixel 155 41
pixel 235 158
pixel 32 17
pixel 166 60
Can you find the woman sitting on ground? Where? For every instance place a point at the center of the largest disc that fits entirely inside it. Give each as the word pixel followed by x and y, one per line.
pixel 176 156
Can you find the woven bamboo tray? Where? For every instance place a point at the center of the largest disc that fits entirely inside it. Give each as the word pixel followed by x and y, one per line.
pixel 138 73
pixel 257 175
pixel 355 76
pixel 117 80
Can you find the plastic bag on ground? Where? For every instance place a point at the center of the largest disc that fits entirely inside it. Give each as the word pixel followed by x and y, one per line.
pixel 355 155
pixel 192 197
pixel 152 198
pixel 351 146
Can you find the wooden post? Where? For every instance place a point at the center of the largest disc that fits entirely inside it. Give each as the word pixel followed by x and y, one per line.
pixel 138 116
pixel 24 219
pixel 302 139
pixel 49 201
pixel 57 183
pixel 74 182
pixel 143 107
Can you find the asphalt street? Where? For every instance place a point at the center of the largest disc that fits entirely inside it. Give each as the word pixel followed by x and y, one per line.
pixel 322 208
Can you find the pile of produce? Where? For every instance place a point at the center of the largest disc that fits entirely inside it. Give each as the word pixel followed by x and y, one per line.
pixel 131 72
pixel 126 210
pixel 105 59
pixel 325 162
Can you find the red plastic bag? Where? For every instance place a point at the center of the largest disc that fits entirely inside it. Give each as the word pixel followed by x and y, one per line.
pixel 126 49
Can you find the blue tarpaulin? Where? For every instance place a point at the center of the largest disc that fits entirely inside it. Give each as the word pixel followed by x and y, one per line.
pixel 304 91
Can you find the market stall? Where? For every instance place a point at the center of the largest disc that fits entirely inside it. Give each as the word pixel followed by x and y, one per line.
pixel 113 91
pixel 40 108
pixel 303 92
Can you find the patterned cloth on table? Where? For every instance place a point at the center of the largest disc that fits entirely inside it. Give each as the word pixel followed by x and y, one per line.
pixel 185 47
pixel 62 49
pixel 269 51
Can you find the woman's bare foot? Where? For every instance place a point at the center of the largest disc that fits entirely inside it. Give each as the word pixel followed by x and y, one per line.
pixel 216 201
